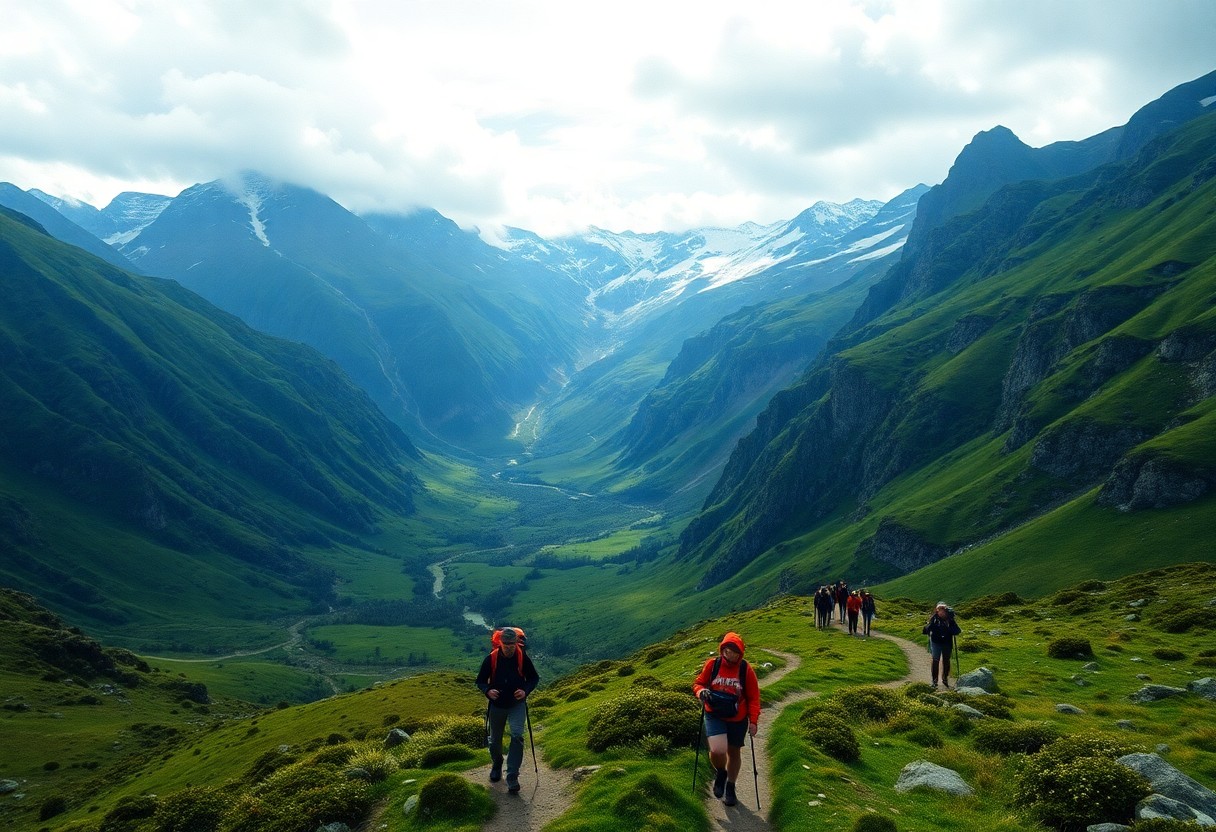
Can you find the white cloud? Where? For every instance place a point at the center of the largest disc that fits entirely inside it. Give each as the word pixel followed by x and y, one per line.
pixel 553 115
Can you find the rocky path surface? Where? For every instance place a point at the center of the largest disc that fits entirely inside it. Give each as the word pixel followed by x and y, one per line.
pixel 547 793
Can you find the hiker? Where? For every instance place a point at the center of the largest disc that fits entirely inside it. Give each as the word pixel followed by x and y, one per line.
pixel 868 609
pixel 506 677
pixel 854 607
pixel 842 598
pixel 823 608
pixel 941 630
pixel 730 697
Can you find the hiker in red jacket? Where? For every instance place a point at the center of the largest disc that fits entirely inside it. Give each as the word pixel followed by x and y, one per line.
pixel 730 697
pixel 854 608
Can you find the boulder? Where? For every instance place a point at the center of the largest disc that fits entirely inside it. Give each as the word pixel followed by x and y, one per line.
pixel 336 826
pixel 1107 827
pixel 963 690
pixel 1160 806
pixel 1131 616
pixel 1154 693
pixel 1068 709
pixel 411 803
pixel 1169 781
pixel 1205 687
pixel 9 786
pixel 1092 667
pixel 968 711
pixel 395 738
pixel 583 772
pixel 922 774
pixel 981 677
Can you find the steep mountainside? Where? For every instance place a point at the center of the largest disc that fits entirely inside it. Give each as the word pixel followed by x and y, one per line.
pixel 155 448
pixel 688 374
pixel 447 341
pixel 59 226
pixel 1053 348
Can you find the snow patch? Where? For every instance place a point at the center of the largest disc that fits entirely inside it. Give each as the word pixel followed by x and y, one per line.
pixel 1207 102
pixel 253 202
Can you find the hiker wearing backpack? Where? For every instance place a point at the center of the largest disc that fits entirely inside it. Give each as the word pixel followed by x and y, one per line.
pixel 868 609
pixel 941 630
pixel 730 699
pixel 853 605
pixel 842 598
pixel 506 677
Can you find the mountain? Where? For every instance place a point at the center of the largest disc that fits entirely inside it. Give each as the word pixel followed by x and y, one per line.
pixel 720 322
pixel 125 216
pixel 448 341
pixel 158 456
pixel 59 226
pixel 1037 369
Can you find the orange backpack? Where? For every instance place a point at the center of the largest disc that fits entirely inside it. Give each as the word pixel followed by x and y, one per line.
pixel 521 642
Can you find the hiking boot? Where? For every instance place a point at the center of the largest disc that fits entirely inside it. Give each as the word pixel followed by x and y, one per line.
pixel 512 784
pixel 496 772
pixel 945 684
pixel 720 782
pixel 935 684
pixel 730 799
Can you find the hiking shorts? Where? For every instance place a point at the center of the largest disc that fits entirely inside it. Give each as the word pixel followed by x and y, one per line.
pixel 735 732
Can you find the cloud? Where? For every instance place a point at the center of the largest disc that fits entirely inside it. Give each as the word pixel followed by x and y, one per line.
pixel 551 115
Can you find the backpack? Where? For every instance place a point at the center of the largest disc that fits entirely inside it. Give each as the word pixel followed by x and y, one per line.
pixel 726 705
pixel 521 642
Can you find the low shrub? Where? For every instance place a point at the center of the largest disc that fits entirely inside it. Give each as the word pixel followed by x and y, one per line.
pixel 1073 794
pixel 999 737
pixel 1168 654
pixel 1070 647
pixel 195 809
pixel 375 760
pixel 128 814
pixel 464 730
pixel 625 670
pixel 1184 618
pixel 654 746
pixel 874 822
pixel 56 804
pixel 1165 825
pixel 647 681
pixel 445 796
pixel 1205 661
pixel 439 754
pixel 642 711
pixel 577 695
pixel 868 703
pixel 833 737
pixel 541 701
pixel 925 736
pixel 997 707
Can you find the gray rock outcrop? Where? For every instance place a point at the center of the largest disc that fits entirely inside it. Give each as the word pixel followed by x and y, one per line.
pixel 1107 827
pixel 981 677
pixel 1064 708
pixel 922 774
pixel 395 738
pixel 1169 781
pixel 968 711
pixel 1205 687
pixel 1154 693
pixel 968 690
pixel 1160 806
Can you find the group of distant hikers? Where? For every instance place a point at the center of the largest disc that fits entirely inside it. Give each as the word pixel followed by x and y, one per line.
pixel 850 604
pixel 726 686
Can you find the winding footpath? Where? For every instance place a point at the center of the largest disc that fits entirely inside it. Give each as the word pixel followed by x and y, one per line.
pixel 547 793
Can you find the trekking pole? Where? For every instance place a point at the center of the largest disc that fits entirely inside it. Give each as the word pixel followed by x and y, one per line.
pixel 755 773
pixel 958 667
pixel 697 762
pixel 531 741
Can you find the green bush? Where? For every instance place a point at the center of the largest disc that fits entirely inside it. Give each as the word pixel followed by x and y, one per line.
pixel 926 736
pixel 625 670
pixel 267 764
pixel 54 805
pixel 1070 647
pixel 997 737
pixel 463 730
pixel 1165 825
pixel 868 703
pixel 577 695
pixel 874 822
pixel 1188 617
pixel 997 707
pixel 1168 654
pixel 196 809
pixel 647 681
pixel 654 746
pixel 1071 795
pixel 128 814
pixel 445 796
pixel 642 711
pixel 375 760
pixel 833 737
pixel 439 754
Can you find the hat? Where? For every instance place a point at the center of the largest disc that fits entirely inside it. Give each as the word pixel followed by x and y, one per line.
pixel 941 604
pixel 507 635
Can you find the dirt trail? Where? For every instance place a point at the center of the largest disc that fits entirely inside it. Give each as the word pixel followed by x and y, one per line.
pixel 547 794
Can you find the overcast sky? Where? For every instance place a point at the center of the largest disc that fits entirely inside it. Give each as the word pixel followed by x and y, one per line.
pixel 552 115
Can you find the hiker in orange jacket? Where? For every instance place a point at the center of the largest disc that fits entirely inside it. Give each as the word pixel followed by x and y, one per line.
pixel 730 698
pixel 853 605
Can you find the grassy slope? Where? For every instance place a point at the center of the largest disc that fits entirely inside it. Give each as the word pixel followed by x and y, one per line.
pixel 810 789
